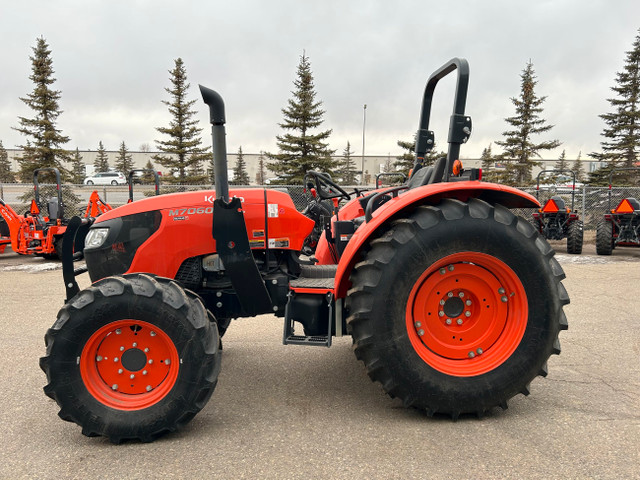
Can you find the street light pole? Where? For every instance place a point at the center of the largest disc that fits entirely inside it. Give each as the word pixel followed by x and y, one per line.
pixel 364 123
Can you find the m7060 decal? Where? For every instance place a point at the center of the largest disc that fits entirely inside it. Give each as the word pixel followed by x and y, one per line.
pixel 190 211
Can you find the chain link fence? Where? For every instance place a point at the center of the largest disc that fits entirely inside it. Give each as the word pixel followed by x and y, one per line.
pixel 590 202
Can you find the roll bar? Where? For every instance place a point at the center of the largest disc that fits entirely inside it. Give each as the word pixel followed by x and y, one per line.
pixel 459 124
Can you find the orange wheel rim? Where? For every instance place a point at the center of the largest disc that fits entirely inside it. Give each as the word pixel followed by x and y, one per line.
pixel 129 364
pixel 467 314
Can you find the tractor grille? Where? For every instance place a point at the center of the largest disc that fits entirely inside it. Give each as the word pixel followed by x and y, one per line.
pixel 190 273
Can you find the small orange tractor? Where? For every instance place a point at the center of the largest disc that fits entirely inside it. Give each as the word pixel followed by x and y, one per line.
pixel 556 221
pixel 36 234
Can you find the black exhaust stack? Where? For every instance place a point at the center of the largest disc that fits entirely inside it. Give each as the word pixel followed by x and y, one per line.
pixel 229 228
pixel 217 119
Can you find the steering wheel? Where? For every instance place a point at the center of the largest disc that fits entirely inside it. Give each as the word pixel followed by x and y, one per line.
pixel 325 187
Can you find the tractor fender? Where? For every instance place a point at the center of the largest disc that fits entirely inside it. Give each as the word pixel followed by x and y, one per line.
pixel 426 195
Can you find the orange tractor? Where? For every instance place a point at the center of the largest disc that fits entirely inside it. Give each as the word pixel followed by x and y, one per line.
pixel 453 302
pixel 35 233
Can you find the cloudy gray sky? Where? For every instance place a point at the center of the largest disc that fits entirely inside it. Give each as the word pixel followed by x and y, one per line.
pixel 112 59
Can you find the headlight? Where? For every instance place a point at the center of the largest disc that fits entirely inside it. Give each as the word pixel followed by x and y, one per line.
pixel 96 237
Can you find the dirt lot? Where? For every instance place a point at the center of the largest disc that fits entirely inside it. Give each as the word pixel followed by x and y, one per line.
pixel 301 412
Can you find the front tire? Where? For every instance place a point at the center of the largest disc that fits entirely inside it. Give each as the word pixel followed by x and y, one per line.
pixel 132 357
pixel 575 236
pixel 457 308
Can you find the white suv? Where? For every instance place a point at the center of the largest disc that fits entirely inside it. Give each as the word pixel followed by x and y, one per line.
pixel 106 178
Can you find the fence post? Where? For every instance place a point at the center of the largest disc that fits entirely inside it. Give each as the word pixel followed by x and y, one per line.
pixel 584 201
pixel 1 192
pixel 104 190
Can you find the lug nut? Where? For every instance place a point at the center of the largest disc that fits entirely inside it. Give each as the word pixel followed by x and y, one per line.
pixel 441 302
pixel 418 324
pixel 450 267
pixel 479 351
pixel 135 344
pixel 118 331
pixel 442 271
pixel 132 376
pixel 150 361
pixel 448 321
pixel 504 299
pixel 468 302
pixel 441 313
pixel 120 371
pixel 122 349
pixel 149 388
pixel 115 359
pixel 144 372
pixel 146 350
pixel 461 294
pixel 459 321
pixel 450 294
pixel 421 332
pixel 167 362
pixel 467 314
pixel 114 386
pixel 471 354
pixel 98 358
pixel 501 291
pixel 153 334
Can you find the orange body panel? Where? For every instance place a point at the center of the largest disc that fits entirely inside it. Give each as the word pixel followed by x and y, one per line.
pixel 428 194
pixel 186 227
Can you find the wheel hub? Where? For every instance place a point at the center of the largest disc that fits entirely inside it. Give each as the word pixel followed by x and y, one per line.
pixel 466 314
pixel 129 364
pixel 134 359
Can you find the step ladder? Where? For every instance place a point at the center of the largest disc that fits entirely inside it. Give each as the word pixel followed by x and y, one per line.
pixel 312 277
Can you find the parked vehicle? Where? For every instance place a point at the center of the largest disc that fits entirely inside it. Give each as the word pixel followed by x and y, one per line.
pixel 454 303
pixel 620 226
pixel 556 221
pixel 39 233
pixel 106 178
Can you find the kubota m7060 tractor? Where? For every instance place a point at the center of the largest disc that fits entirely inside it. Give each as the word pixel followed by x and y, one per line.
pixel 453 302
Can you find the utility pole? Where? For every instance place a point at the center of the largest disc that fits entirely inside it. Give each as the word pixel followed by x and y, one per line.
pixel 364 123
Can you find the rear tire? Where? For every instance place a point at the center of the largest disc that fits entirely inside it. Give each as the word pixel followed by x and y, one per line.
pixel 440 263
pixel 132 357
pixel 575 236
pixel 604 238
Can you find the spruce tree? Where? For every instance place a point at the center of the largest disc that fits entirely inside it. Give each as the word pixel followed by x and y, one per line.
pixel 183 153
pixel 240 175
pixel 347 166
pixel 261 175
pixel 577 168
pixel 6 175
pixel 404 163
pixel 489 173
pixel 101 163
pixel 77 168
pixel 148 177
pixel 519 149
pixel 562 163
pixel 124 160
pixel 44 145
pixel 300 149
pixel 621 147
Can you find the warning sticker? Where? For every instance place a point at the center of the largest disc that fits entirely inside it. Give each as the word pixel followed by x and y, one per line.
pixel 257 233
pixel 256 243
pixel 272 210
pixel 278 243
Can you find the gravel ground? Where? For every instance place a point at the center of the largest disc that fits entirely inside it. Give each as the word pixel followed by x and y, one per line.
pixel 302 412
